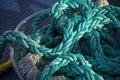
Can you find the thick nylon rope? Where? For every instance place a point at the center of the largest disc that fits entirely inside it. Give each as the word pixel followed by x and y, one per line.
pixel 101 3
pixel 83 50
pixel 6 65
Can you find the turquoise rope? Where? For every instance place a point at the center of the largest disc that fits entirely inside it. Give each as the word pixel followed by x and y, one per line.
pixel 85 49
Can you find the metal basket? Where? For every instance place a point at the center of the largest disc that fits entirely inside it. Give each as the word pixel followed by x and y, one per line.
pixel 22 25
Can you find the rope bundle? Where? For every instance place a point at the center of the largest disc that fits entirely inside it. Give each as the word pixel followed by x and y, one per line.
pixel 28 68
pixel 78 46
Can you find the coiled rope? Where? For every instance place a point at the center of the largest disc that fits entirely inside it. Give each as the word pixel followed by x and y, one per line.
pixel 85 49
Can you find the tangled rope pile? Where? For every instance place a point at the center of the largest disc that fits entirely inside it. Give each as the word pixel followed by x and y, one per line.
pixel 79 46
